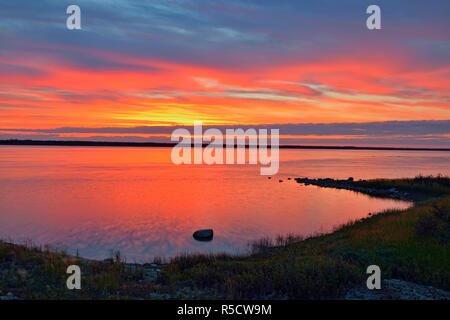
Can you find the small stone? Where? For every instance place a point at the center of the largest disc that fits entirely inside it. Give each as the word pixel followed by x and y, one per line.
pixel 203 235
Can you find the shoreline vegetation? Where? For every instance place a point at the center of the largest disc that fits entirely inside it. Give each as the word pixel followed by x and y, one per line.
pixel 411 247
pixel 75 143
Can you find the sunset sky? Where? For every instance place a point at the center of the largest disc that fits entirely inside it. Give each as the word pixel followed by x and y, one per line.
pixel 310 68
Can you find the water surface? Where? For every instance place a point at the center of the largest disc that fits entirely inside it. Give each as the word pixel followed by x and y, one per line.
pixel 94 199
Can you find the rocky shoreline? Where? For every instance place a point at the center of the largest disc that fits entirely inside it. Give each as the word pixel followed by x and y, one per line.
pixel 395 289
pixel 352 185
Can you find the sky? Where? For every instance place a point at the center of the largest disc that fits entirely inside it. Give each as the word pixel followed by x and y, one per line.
pixel 137 69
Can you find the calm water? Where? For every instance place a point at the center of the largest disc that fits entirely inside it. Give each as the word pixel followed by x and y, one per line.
pixel 135 200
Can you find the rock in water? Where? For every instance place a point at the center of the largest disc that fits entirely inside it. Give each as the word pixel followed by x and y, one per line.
pixel 203 235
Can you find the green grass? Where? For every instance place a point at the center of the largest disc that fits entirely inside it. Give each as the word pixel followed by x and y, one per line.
pixel 422 186
pixel 411 244
pixel 32 272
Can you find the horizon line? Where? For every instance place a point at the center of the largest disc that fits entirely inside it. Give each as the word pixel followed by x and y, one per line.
pixel 75 143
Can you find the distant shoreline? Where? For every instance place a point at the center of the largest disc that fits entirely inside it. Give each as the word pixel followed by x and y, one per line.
pixel 75 143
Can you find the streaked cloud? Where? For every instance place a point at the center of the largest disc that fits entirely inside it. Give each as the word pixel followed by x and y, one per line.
pixel 226 62
pixel 394 133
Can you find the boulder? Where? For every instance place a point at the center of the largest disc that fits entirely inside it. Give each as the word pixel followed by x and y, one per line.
pixel 203 235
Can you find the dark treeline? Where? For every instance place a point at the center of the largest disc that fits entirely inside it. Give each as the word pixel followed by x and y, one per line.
pixel 162 144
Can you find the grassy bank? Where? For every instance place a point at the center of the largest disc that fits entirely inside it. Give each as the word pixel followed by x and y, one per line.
pixel 411 245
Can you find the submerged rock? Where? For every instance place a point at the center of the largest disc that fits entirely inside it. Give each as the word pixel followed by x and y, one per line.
pixel 203 235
